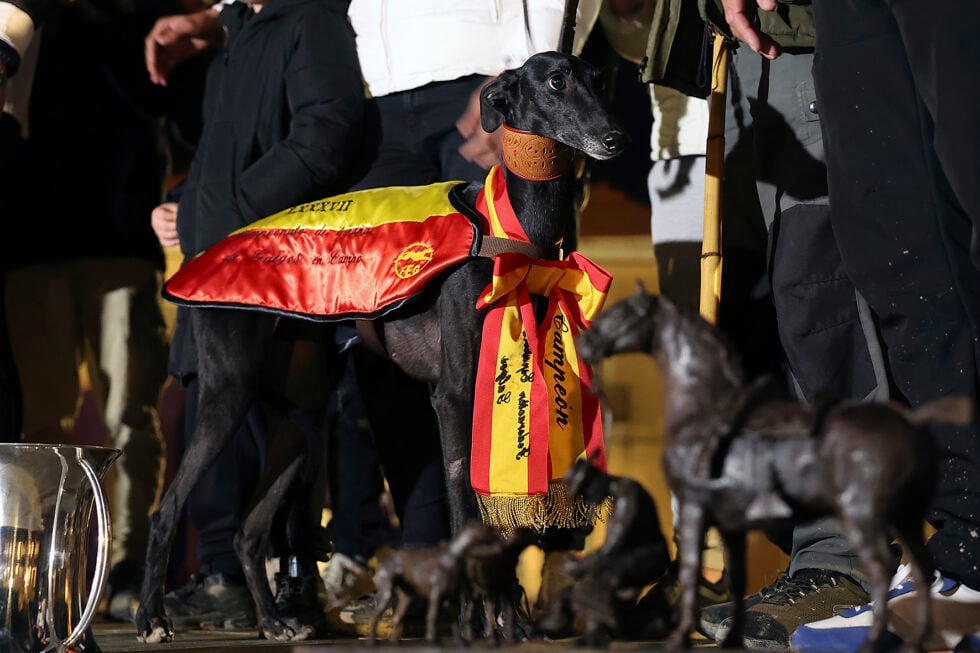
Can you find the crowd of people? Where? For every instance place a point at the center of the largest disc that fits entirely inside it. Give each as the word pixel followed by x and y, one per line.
pixel 851 241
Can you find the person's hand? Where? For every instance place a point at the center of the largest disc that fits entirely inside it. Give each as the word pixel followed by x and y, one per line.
pixel 176 38
pixel 164 221
pixel 480 147
pixel 736 15
pixel 626 7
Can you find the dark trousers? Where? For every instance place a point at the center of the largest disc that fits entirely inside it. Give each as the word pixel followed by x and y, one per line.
pixel 412 140
pixel 11 410
pixel 11 406
pixel 775 175
pixel 218 504
pixel 896 84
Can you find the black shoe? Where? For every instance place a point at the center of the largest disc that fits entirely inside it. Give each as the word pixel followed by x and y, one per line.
pixel 298 596
pixel 655 614
pixel 123 590
pixel 711 617
pixel 212 601
pixel 810 595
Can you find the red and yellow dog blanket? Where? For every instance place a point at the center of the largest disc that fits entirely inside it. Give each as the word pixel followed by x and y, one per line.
pixel 358 255
pixel 365 253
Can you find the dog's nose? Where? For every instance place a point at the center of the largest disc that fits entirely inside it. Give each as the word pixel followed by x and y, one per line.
pixel 615 141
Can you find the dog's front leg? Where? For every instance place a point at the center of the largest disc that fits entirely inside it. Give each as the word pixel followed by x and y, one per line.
pixel 690 525
pixel 461 328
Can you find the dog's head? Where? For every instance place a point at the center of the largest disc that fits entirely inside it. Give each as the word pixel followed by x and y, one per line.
pixel 629 325
pixel 586 480
pixel 557 96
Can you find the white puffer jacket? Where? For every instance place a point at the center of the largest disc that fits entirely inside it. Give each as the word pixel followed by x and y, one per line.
pixel 405 44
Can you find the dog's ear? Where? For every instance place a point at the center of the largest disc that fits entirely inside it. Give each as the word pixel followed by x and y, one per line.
pixel 495 101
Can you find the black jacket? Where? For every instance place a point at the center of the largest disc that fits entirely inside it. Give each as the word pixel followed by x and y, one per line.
pixel 92 169
pixel 283 108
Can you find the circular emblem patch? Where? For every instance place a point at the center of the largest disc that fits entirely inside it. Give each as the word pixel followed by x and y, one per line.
pixel 412 259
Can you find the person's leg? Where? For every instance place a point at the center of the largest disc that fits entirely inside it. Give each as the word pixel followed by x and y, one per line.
pixel 11 401
pixel 828 343
pixel 358 525
pixel 125 349
pixel 125 330
pixel 942 49
pixel 44 326
pixel 404 423
pixel 11 190
pixel 905 244
pixel 216 507
pixel 676 189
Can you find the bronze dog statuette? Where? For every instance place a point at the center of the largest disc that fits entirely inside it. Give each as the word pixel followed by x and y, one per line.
pixel 737 461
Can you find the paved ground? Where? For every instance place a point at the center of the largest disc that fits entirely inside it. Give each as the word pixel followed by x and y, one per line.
pixel 115 638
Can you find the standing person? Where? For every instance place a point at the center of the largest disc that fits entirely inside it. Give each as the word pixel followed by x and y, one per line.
pixel 424 68
pixel 894 83
pixel 85 287
pixel 18 23
pixel 782 268
pixel 283 108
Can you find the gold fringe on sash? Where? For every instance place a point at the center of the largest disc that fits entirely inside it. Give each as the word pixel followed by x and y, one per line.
pixel 539 512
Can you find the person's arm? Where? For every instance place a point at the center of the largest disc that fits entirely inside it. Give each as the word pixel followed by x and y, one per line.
pixel 19 19
pixel 480 147
pixel 326 100
pixel 737 16
pixel 177 38
pixel 163 219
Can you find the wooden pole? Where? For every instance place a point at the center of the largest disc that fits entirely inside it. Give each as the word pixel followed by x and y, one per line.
pixel 567 37
pixel 714 167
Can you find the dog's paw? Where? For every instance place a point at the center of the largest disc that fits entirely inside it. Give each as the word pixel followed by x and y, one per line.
pixel 286 630
pixel 155 631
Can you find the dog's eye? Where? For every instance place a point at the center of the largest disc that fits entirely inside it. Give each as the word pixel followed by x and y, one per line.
pixel 556 82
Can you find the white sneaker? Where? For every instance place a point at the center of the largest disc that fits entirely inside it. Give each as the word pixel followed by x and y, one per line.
pixel 955 612
pixel 345 579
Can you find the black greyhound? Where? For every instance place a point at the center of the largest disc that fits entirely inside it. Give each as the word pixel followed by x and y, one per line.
pixel 737 461
pixel 552 95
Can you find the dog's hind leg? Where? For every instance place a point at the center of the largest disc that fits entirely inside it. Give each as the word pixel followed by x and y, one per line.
pixel 910 535
pixel 691 532
pixel 866 531
pixel 735 564
pixel 226 344
pixel 251 544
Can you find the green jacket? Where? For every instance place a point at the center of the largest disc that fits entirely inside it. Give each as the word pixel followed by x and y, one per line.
pixel 791 25
pixel 675 46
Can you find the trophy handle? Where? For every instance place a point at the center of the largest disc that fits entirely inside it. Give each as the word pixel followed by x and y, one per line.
pixel 101 560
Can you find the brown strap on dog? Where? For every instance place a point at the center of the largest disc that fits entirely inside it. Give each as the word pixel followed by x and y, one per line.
pixel 491 246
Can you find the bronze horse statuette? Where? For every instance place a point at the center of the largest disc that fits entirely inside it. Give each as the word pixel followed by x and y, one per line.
pixel 736 460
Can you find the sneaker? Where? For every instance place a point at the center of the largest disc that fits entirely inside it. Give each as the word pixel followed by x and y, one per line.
pixel 354 618
pixel 808 596
pixel 955 611
pixel 345 579
pixel 655 615
pixel 711 617
pixel 969 644
pixel 211 602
